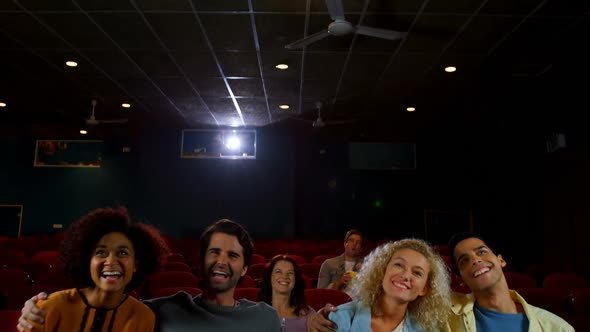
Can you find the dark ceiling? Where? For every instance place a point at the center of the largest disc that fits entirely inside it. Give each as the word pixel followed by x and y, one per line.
pixel 212 63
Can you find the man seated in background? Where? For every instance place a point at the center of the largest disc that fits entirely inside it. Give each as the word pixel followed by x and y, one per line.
pixel 491 305
pixel 338 272
pixel 226 253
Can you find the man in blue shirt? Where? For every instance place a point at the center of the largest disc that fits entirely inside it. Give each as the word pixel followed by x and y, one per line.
pixel 491 306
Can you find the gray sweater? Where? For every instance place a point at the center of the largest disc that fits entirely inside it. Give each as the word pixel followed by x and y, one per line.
pixel 181 312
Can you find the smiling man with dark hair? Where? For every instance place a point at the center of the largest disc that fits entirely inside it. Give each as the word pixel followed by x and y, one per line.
pixel 491 306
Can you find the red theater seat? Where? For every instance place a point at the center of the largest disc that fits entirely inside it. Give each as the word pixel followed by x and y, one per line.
pixel 546 298
pixel 311 270
pixel 8 320
pixel 176 257
pixel 164 279
pixel 176 266
pixel 519 280
pixel 168 291
pixel 247 282
pixel 298 259
pixel 318 297
pixel 581 300
pixel 256 271
pixel 258 259
pixel 47 256
pixel 250 293
pixel 321 258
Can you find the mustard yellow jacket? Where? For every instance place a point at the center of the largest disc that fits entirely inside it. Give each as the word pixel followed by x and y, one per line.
pixel 463 317
pixel 67 310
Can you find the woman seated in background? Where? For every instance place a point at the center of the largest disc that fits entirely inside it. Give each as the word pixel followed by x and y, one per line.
pixel 402 286
pixel 105 256
pixel 283 288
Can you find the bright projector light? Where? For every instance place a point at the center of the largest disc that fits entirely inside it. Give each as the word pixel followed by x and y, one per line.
pixel 233 143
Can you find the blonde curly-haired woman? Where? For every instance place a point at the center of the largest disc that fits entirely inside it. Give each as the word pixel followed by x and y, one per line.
pixel 402 286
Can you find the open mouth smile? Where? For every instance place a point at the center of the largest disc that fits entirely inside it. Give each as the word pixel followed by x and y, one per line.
pixel 481 272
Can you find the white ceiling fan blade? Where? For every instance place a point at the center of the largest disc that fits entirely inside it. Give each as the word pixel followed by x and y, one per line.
pixel 335 9
pixel 93 107
pixel 380 33
pixel 319 123
pixel 308 40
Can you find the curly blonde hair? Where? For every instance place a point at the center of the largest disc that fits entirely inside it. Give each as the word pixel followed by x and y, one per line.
pixel 430 310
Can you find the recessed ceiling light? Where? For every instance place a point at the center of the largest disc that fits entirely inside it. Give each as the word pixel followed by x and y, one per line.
pixel 450 69
pixel 282 66
pixel 411 109
pixel 125 105
pixel 284 107
pixel 71 64
pixel 2 104
pixel 83 132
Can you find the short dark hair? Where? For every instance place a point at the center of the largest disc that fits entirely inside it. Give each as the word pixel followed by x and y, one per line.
pixel 353 232
pixel 81 238
pixel 455 239
pixel 297 298
pixel 231 228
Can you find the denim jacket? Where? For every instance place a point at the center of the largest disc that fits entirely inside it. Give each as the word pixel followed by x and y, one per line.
pixel 355 316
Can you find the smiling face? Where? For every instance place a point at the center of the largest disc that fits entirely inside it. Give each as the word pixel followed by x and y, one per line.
pixel 283 277
pixel 478 266
pixel 223 262
pixel 113 262
pixel 406 276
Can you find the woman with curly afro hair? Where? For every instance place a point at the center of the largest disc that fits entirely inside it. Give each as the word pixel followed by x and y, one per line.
pixel 402 286
pixel 105 255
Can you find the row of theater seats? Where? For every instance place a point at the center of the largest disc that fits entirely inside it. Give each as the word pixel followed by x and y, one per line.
pixel 574 308
pixel 554 292
pixel 23 276
pixel 310 270
pixel 40 268
pixel 36 264
pixel 19 251
pixel 555 296
pixel 563 282
pixel 316 298
pixel 17 285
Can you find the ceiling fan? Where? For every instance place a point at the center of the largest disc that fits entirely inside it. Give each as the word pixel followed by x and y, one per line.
pixel 320 123
pixel 92 121
pixel 341 27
